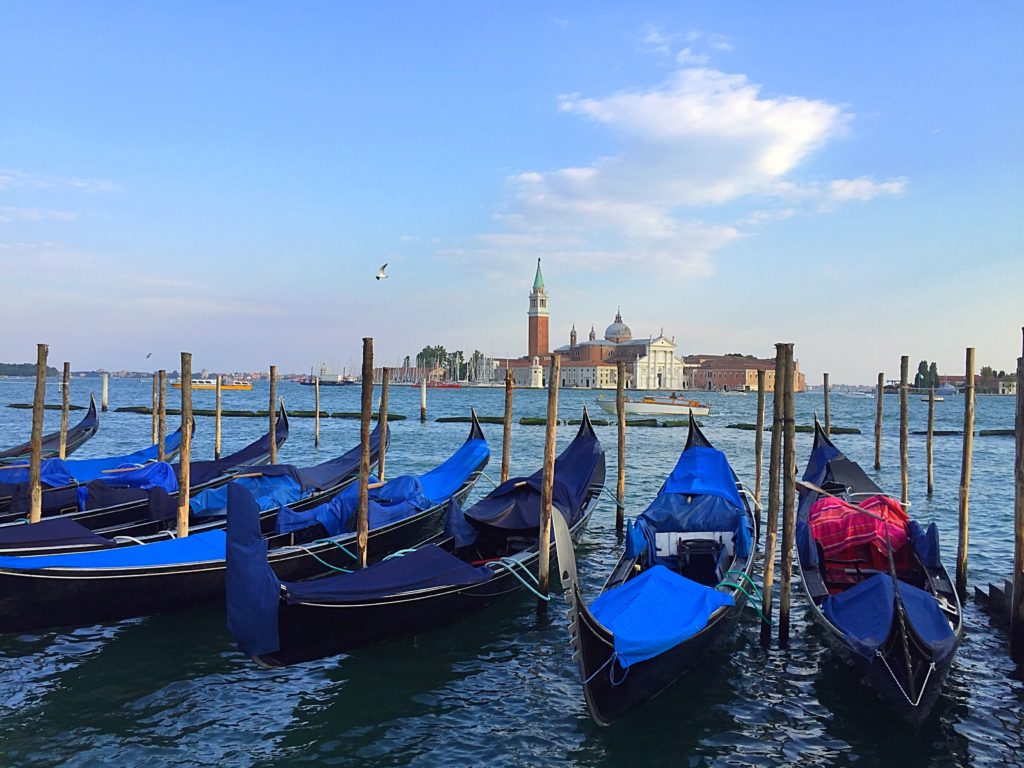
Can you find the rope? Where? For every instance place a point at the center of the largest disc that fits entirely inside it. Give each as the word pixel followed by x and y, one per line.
pixel 608 492
pixel 924 685
pixel 743 575
pixel 750 599
pixel 509 564
pixel 399 553
pixel 598 670
pixel 486 477
pixel 336 543
pixel 320 560
pixel 132 539
pixel 750 494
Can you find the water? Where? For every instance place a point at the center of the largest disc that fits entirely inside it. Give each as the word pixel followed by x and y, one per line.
pixel 500 688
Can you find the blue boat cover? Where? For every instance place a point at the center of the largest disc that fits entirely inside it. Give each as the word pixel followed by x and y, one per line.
pixel 864 614
pixel 53 473
pixel 55 531
pixel 159 474
pixel 251 588
pixel 654 612
pixel 514 505
pixel 457 526
pixel 199 547
pixel 396 500
pixel 424 568
pixel 702 470
pixel 276 486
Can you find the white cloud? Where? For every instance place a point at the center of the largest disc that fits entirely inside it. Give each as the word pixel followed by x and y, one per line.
pixel 687 57
pixel 12 213
pixel 10 179
pixel 698 141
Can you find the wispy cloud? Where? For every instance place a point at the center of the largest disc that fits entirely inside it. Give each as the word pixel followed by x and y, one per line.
pixel 11 179
pixel 9 214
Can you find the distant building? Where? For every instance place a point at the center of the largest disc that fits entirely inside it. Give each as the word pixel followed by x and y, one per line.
pixel 735 373
pixel 650 363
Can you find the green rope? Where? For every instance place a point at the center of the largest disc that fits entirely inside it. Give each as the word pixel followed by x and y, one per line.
pixel 336 543
pixel 324 562
pixel 750 599
pixel 743 575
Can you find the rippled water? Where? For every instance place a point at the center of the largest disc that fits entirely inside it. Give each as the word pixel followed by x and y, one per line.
pixel 500 688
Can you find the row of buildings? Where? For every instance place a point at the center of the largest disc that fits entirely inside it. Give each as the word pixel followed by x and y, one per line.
pixel 650 363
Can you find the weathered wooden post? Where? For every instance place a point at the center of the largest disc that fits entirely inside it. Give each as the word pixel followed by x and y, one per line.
pixel 904 431
pixel 1017 601
pixel 423 400
pixel 186 444
pixel 316 412
pixel 64 408
pixel 216 419
pixel 828 412
pixel 788 502
pixel 930 445
pixel 758 454
pixel 772 527
pixel 965 475
pixel 154 411
pixel 506 435
pixel 879 406
pixel 273 414
pixel 103 398
pixel 620 421
pixel 36 441
pixel 362 513
pixel 382 419
pixel 161 436
pixel 548 479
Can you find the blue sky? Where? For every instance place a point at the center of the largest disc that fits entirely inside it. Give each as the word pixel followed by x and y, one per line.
pixel 225 179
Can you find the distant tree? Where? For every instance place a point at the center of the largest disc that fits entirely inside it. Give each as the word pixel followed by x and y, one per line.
pixel 933 375
pixel 987 372
pixel 1001 375
pixel 921 379
pixel 432 356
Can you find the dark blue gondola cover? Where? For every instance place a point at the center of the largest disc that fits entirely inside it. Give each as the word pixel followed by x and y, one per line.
pixel 251 588
pixel 57 531
pixel 864 614
pixel 423 568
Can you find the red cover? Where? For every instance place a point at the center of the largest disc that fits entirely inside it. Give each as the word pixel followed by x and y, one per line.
pixel 841 527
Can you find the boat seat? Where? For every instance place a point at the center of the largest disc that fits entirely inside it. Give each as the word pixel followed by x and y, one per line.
pixel 666 543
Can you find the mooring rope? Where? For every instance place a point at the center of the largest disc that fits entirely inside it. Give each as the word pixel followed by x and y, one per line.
pixel 509 564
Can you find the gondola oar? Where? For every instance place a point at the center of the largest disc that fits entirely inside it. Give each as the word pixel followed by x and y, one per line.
pixel 892 573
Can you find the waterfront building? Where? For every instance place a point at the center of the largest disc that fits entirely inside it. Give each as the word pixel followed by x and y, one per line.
pixel 735 373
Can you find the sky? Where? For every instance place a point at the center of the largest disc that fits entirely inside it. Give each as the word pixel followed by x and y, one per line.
pixel 226 178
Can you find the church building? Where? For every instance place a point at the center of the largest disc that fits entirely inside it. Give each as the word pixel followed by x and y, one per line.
pixel 650 363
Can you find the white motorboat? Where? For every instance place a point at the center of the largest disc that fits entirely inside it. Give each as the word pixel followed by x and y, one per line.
pixel 672 405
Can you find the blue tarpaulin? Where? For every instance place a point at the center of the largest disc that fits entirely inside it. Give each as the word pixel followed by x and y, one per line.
pixel 251 588
pixel 157 475
pixel 864 614
pixel 702 470
pixel 56 531
pixel 270 491
pixel 199 547
pixel 654 612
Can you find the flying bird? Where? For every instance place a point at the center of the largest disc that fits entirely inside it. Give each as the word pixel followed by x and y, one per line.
pixel 380 272
pixel 148 355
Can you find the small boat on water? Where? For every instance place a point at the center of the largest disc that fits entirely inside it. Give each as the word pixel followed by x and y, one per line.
pixel 225 384
pixel 673 405
pixel 76 437
pixel 680 584
pixel 938 399
pixel 876 583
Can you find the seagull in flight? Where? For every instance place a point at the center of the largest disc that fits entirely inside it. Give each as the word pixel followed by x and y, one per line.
pixel 380 272
pixel 148 354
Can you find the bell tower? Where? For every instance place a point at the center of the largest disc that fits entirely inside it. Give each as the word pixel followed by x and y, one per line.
pixel 538 317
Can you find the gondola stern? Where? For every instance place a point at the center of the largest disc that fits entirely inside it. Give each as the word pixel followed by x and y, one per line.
pixel 476 432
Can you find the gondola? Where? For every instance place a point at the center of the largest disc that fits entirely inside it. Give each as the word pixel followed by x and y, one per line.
pixel 683 579
pixel 147 497
pixel 85 588
pixel 875 583
pixel 60 478
pixel 485 554
pixel 76 436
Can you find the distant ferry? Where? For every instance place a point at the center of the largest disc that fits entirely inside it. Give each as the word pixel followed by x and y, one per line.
pixel 330 381
pixel 241 384
pixel 657 406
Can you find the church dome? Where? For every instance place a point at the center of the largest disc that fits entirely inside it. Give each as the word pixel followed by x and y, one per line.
pixel 618 331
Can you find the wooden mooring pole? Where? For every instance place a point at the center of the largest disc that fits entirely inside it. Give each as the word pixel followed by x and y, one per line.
pixel 772 525
pixel 273 414
pixel 506 435
pixel 620 425
pixel 161 435
pixel 965 475
pixel 185 456
pixel 36 441
pixel 156 407
pixel 828 412
pixel 930 443
pixel 879 408
pixel 548 479
pixel 1017 601
pixel 382 419
pixel 758 454
pixel 65 407
pixel 904 430
pixel 316 412
pixel 365 412
pixel 788 502
pixel 104 397
pixel 423 400
pixel 216 418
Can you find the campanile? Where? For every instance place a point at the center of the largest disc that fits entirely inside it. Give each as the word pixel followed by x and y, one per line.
pixel 538 315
